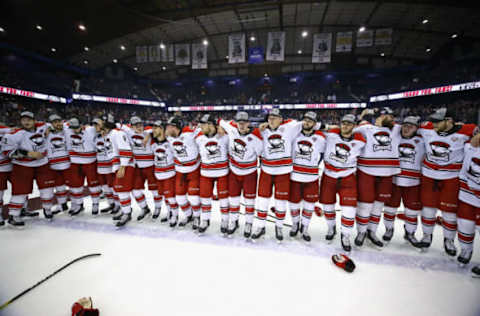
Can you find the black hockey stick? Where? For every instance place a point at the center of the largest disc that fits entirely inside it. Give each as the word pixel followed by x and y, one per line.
pixel 268 220
pixel 48 277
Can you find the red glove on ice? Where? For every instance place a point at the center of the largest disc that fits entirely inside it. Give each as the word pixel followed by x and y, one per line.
pixel 344 262
pixel 84 308
pixel 318 211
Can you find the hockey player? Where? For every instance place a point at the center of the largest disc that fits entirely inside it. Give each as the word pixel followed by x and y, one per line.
pixel 123 166
pixel 278 136
pixel 59 160
pixel 444 144
pixel 213 150
pixel 143 154
pixel 5 168
pixel 376 166
pixel 165 171
pixel 27 148
pixel 83 156
pixel 187 167
pixel 342 149
pixel 469 202
pixel 308 149
pixel 245 146
pixel 406 185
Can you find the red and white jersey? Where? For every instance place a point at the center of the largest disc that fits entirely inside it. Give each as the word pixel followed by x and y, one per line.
pixel 444 151
pixel 58 155
pixel 341 154
pixel 5 163
pixel 244 150
pixel 213 155
pixel 380 154
pixel 185 150
pixel 470 176
pixel 82 145
pixel 307 155
pixel 411 153
pixel 105 154
pixel 29 141
pixel 122 150
pixel 142 153
pixel 277 148
pixel 164 164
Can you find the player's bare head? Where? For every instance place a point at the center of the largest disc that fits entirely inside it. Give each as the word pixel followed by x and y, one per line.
pixel 27 120
pixel 442 119
pixel 386 117
pixel 208 124
pixel 243 123
pixel 56 122
pixel 410 126
pixel 274 119
pixel 309 121
pixel 174 126
pixel 158 130
pixel 137 124
pixel 347 125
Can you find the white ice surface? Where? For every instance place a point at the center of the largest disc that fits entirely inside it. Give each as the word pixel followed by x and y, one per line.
pixel 149 269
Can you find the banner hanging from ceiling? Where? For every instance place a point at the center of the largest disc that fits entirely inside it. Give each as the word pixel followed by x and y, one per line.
pixel 344 42
pixel 182 54
pixel 322 48
pixel 276 46
pixel 236 48
pixel 199 56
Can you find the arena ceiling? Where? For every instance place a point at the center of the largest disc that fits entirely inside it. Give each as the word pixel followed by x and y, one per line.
pixel 111 24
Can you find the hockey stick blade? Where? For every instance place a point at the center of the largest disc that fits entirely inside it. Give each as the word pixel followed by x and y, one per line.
pixel 48 277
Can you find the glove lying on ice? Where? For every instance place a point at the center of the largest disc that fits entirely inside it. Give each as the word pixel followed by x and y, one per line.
pixel 84 307
pixel 344 262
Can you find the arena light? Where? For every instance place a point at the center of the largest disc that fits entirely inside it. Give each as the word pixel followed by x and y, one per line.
pixel 162 46
pixel 2 30
pixel 382 54
pixel 205 42
pixel 304 34
pixel 361 29
pixel 425 21
pixel 82 27
pixel 86 48
pixel 39 27
pixel 455 35
pixel 428 49
pixel 299 52
pixel 115 61
pixel 85 62
pixel 53 49
pixel 122 47
pixel 252 38
pixel 164 68
pixel 135 68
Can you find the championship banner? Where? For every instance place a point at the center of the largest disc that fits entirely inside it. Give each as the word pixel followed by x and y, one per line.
pixel 236 48
pixel 249 107
pixel 182 54
pixel 171 53
pixel 142 54
pixel 344 42
pixel 276 46
pixel 383 37
pixel 154 54
pixel 322 48
pixel 365 38
pixel 31 94
pixel 255 55
pixel 199 56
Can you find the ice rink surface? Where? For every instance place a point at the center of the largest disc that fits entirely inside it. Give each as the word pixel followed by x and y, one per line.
pixel 149 269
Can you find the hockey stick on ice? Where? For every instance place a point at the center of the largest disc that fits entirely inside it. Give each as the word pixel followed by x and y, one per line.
pixel 268 220
pixel 45 279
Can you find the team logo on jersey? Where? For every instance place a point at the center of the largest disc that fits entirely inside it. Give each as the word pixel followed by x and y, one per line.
pixel 305 149
pixel 77 140
pixel 384 141
pixel 161 156
pixel 37 139
pixel 440 151
pixel 277 144
pixel 137 141
pixel 239 148
pixel 57 143
pixel 407 152
pixel 341 154
pixel 474 170
pixel 213 151
pixel 103 147
pixel 180 149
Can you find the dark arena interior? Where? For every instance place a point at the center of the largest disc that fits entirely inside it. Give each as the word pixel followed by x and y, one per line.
pixel 280 157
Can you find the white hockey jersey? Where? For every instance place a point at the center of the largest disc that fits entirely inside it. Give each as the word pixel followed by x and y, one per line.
pixel 122 150
pixel 380 154
pixel 444 151
pixel 411 153
pixel 21 139
pixel 277 148
pixel 470 176
pixel 307 155
pixel 164 164
pixel 58 155
pixel 213 155
pixel 185 150
pixel 5 163
pixel 341 154
pixel 244 150
pixel 105 154
pixel 82 145
pixel 142 153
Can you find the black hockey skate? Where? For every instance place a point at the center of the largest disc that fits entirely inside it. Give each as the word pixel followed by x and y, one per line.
pixel 259 233
pixel 164 219
pixel 476 271
pixel 196 222
pixel 331 234
pixel 278 233
pixel 294 230
pixel 16 221
pixel 449 247
pixel 145 212
pixel 464 257
pixel 224 227
pixel 47 214
pixel 26 213
pixel 204 226
pixel 345 240
pixel 410 238
pixel 76 212
pixel 388 234
pixel 117 217
pixel 115 210
pixel 108 209
pixel 232 227
pixel 372 237
pixel 2 222
pixel 425 242
pixel 173 220
pixel 248 230
pixel 359 240
pixel 95 210
pixel 125 218
pixel 185 221
pixel 63 208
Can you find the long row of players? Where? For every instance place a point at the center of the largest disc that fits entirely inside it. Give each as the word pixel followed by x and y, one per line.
pixel 372 167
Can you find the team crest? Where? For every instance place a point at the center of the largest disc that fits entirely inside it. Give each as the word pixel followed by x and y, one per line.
pixel 277 144
pixel 137 141
pixel 384 141
pixel 474 170
pixel 407 152
pixel 341 154
pixel 180 149
pixel 160 156
pixel 77 141
pixel 305 149
pixel 239 148
pixel 37 140
pixel 213 151
pixel 58 143
pixel 440 151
